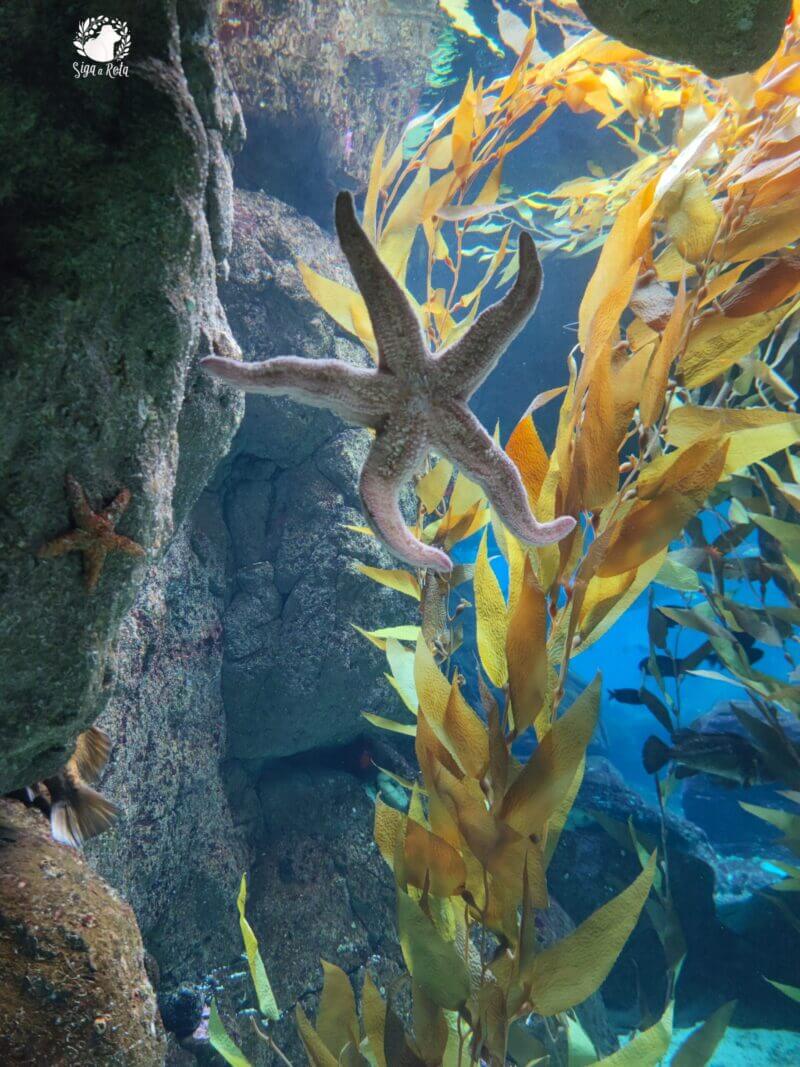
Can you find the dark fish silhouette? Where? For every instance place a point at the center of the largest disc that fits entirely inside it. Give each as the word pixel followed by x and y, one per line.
pixel 723 755
pixel 704 653
pixel 76 811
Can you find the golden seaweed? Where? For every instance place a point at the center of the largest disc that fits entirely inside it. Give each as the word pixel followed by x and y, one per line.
pixel 676 395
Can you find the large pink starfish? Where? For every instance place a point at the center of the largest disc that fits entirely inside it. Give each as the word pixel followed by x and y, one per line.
pixel 413 399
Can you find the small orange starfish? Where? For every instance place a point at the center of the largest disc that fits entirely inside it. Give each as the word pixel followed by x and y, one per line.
pixel 94 534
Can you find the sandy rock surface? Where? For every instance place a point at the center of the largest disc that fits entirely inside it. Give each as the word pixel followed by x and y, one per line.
pixel 74 989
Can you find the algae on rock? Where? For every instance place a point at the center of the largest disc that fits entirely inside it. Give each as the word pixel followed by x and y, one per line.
pixel 115 213
pixel 721 37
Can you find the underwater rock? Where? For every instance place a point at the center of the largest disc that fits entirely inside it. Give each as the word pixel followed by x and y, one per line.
pixel 71 958
pixel 175 852
pixel 115 217
pixel 318 888
pixel 589 867
pixel 721 37
pixel 296 675
pixel 605 792
pixel 319 84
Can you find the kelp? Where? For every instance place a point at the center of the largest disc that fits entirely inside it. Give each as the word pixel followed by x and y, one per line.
pixel 724 191
pixel 677 402
pixel 267 1010
pixel 661 414
pixel 735 582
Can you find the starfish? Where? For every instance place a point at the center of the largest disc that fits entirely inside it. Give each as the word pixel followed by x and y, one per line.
pixel 413 399
pixel 94 535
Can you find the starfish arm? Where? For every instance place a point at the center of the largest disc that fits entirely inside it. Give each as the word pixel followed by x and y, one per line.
pixel 401 345
pixel 459 436
pixel 357 394
pixel 116 509
pixel 59 546
pixel 93 559
pixel 79 502
pixel 465 365
pixel 118 543
pixel 396 453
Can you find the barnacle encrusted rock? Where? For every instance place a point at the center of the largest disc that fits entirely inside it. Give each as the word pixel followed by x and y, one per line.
pixel 115 217
pixel 721 37
pixel 74 990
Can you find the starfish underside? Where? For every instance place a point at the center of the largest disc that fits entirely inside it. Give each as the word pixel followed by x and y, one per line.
pixel 414 400
pixel 94 534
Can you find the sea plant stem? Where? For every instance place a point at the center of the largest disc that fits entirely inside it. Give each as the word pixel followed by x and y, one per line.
pixel 266 1037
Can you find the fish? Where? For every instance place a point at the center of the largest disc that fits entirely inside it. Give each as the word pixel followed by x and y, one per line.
pixel 704 653
pixel 723 755
pixel 76 811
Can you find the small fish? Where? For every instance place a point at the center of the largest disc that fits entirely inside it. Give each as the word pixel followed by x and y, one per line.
pixel 76 811
pixel 626 696
pixel 723 755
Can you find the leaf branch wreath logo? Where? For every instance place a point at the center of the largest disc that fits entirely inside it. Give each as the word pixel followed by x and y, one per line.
pixel 102 39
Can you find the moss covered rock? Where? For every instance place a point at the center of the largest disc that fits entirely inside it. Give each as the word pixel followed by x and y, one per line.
pixel 721 37
pixel 74 988
pixel 115 207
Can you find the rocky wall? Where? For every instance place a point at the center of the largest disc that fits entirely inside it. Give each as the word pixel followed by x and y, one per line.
pixel 295 673
pixel 239 650
pixel 115 210
pixel 174 853
pixel 320 82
